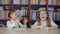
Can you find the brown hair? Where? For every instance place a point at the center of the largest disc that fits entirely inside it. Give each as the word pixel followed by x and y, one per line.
pixel 11 12
pixel 48 21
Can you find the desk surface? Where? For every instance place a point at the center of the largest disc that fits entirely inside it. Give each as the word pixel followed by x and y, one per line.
pixel 28 31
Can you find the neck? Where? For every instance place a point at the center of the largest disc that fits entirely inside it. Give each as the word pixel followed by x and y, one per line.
pixel 11 19
pixel 43 20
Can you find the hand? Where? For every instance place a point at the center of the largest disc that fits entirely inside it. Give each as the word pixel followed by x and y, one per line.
pixel 25 21
pixel 17 20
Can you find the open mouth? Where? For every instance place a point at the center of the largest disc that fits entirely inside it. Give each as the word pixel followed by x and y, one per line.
pixel 42 17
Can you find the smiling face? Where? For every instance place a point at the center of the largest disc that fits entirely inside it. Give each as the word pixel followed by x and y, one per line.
pixel 43 15
pixel 25 20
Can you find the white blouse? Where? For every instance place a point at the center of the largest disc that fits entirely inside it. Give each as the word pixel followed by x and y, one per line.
pixel 12 23
pixel 43 23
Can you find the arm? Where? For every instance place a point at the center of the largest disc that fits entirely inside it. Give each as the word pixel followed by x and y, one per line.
pixel 35 25
pixel 21 25
pixel 54 25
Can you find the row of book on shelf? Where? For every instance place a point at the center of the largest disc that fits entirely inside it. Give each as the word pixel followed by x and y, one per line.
pixel 34 2
pixel 33 13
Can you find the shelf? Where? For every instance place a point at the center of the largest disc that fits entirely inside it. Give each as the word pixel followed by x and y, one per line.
pixel 54 6
pixel 3 19
pixel 20 5
pixel 36 7
pixel 5 4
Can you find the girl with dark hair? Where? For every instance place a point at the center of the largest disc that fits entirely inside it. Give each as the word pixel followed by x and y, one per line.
pixel 25 22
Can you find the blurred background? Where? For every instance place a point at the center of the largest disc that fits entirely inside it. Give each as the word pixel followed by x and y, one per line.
pixel 29 8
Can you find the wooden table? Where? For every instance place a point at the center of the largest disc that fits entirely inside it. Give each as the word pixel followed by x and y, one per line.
pixel 28 31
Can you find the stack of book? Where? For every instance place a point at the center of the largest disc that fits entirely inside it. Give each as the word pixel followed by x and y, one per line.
pixel 52 2
pixel 33 14
pixel 21 12
pixel 20 2
pixel 51 13
pixel 5 14
pixel 38 2
pixel 1 12
pixel 5 1
pixel 58 2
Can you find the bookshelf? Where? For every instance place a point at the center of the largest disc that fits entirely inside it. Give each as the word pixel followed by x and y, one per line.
pixel 18 4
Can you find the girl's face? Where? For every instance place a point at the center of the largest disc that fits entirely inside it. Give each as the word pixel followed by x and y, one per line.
pixel 14 15
pixel 43 15
pixel 25 20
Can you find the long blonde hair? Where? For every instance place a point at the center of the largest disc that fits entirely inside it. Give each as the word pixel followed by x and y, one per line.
pixel 48 20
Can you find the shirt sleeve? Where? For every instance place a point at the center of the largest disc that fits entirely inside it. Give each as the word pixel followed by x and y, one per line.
pixel 35 24
pixel 10 25
pixel 53 24
pixel 21 25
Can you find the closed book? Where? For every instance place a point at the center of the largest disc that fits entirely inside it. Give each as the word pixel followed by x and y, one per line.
pixel 16 1
pixel 49 2
pixel 58 2
pixel 1 14
pixel 42 2
pixel 5 14
pixel 53 2
pixel 0 1
pixel 51 13
pixel 26 1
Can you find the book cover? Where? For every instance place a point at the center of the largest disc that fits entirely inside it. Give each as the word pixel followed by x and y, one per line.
pixel 5 14
pixel 53 2
pixel 49 2
pixel 16 1
pixel 23 2
pixel 26 1
pixel 51 13
pixel 1 14
pixel 33 15
pixel 42 2
pixel 58 2
pixel 0 1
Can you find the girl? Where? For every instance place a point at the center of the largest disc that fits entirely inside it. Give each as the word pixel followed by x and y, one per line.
pixel 25 22
pixel 45 22
pixel 11 23
pixel 14 21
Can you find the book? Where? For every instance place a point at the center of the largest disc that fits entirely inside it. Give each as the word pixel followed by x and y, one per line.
pixel 51 13
pixel 42 2
pixel 58 2
pixel 22 1
pixel 22 12
pixel 0 1
pixel 58 14
pixel 53 2
pixel 33 15
pixel 6 1
pixel 1 12
pixel 34 2
pixel 16 1
pixel 5 14
pixel 1 16
pixel 49 2
pixel 26 1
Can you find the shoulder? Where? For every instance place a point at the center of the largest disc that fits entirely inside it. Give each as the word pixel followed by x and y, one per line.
pixel 8 22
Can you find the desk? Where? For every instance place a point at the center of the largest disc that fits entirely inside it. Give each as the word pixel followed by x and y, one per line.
pixel 28 31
